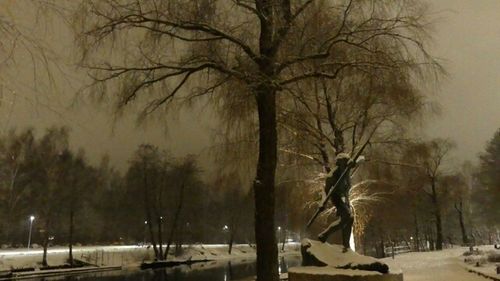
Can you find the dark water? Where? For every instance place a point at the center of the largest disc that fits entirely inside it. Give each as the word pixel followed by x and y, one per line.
pixel 209 271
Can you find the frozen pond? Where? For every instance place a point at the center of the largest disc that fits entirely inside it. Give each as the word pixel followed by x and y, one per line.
pixel 214 271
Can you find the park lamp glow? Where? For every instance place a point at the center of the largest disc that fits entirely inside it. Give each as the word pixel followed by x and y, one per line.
pixel 32 218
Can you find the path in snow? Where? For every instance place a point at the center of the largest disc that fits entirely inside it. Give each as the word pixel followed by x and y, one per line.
pixel 443 265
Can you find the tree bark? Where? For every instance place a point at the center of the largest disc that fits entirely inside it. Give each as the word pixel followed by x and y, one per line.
pixel 174 224
pixel 382 248
pixel 437 214
pixel 70 240
pixel 231 241
pixel 264 187
pixel 430 239
pixel 276 17
pixel 284 240
pixel 459 209
pixel 160 239
pixel 148 212
pixel 45 243
pixel 417 233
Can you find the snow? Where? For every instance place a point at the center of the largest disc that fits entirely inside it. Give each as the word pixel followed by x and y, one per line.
pixel 7 253
pixel 485 270
pixel 333 255
pixel 327 270
pixel 339 265
pixel 486 257
pixel 129 255
pixel 446 265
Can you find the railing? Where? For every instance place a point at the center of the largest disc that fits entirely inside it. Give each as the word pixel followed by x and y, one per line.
pixel 396 250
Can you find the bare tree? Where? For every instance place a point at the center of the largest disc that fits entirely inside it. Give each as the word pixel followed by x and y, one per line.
pixel 251 48
pixel 487 195
pixel 23 42
pixel 430 157
pixel 47 178
pixel 15 151
pixel 184 188
pixel 460 204
pixel 77 182
pixel 143 178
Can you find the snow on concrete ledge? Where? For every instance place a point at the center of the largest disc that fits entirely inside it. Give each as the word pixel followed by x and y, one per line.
pixel 328 273
pixel 485 271
pixel 326 262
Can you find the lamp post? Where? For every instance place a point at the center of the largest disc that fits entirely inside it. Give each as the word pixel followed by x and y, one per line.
pixel 32 218
pixel 279 234
pixel 145 232
pixel 225 230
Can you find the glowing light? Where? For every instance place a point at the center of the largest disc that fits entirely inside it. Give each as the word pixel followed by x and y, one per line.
pixel 352 244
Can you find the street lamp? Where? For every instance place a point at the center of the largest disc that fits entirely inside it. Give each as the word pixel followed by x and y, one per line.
pixel 225 232
pixel 145 232
pixel 32 218
pixel 279 234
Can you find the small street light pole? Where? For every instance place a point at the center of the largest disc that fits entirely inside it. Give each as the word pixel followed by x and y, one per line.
pixel 145 232
pixel 32 218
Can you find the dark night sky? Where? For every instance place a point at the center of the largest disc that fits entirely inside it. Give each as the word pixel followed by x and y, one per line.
pixel 466 37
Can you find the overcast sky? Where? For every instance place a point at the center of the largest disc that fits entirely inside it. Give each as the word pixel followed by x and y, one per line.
pixel 467 38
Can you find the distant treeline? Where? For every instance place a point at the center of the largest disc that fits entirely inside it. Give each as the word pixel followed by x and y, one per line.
pixel 404 196
pixel 72 200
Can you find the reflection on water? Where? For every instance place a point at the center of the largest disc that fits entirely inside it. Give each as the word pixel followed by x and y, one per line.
pixel 212 271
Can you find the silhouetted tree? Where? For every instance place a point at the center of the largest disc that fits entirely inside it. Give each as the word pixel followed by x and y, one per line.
pixel 430 157
pixel 487 194
pixel 235 48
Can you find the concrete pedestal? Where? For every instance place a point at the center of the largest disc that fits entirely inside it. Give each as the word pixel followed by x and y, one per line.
pixel 328 273
pixel 326 262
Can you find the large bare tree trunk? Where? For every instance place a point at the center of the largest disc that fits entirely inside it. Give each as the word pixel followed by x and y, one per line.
pixel 264 184
pixel 264 187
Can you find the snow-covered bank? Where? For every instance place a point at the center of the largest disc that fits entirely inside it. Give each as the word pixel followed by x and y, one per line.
pixel 446 265
pixel 483 261
pixel 128 255
pixel 57 272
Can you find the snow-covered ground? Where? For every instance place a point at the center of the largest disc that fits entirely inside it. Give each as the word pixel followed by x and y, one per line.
pixel 446 265
pixel 129 255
